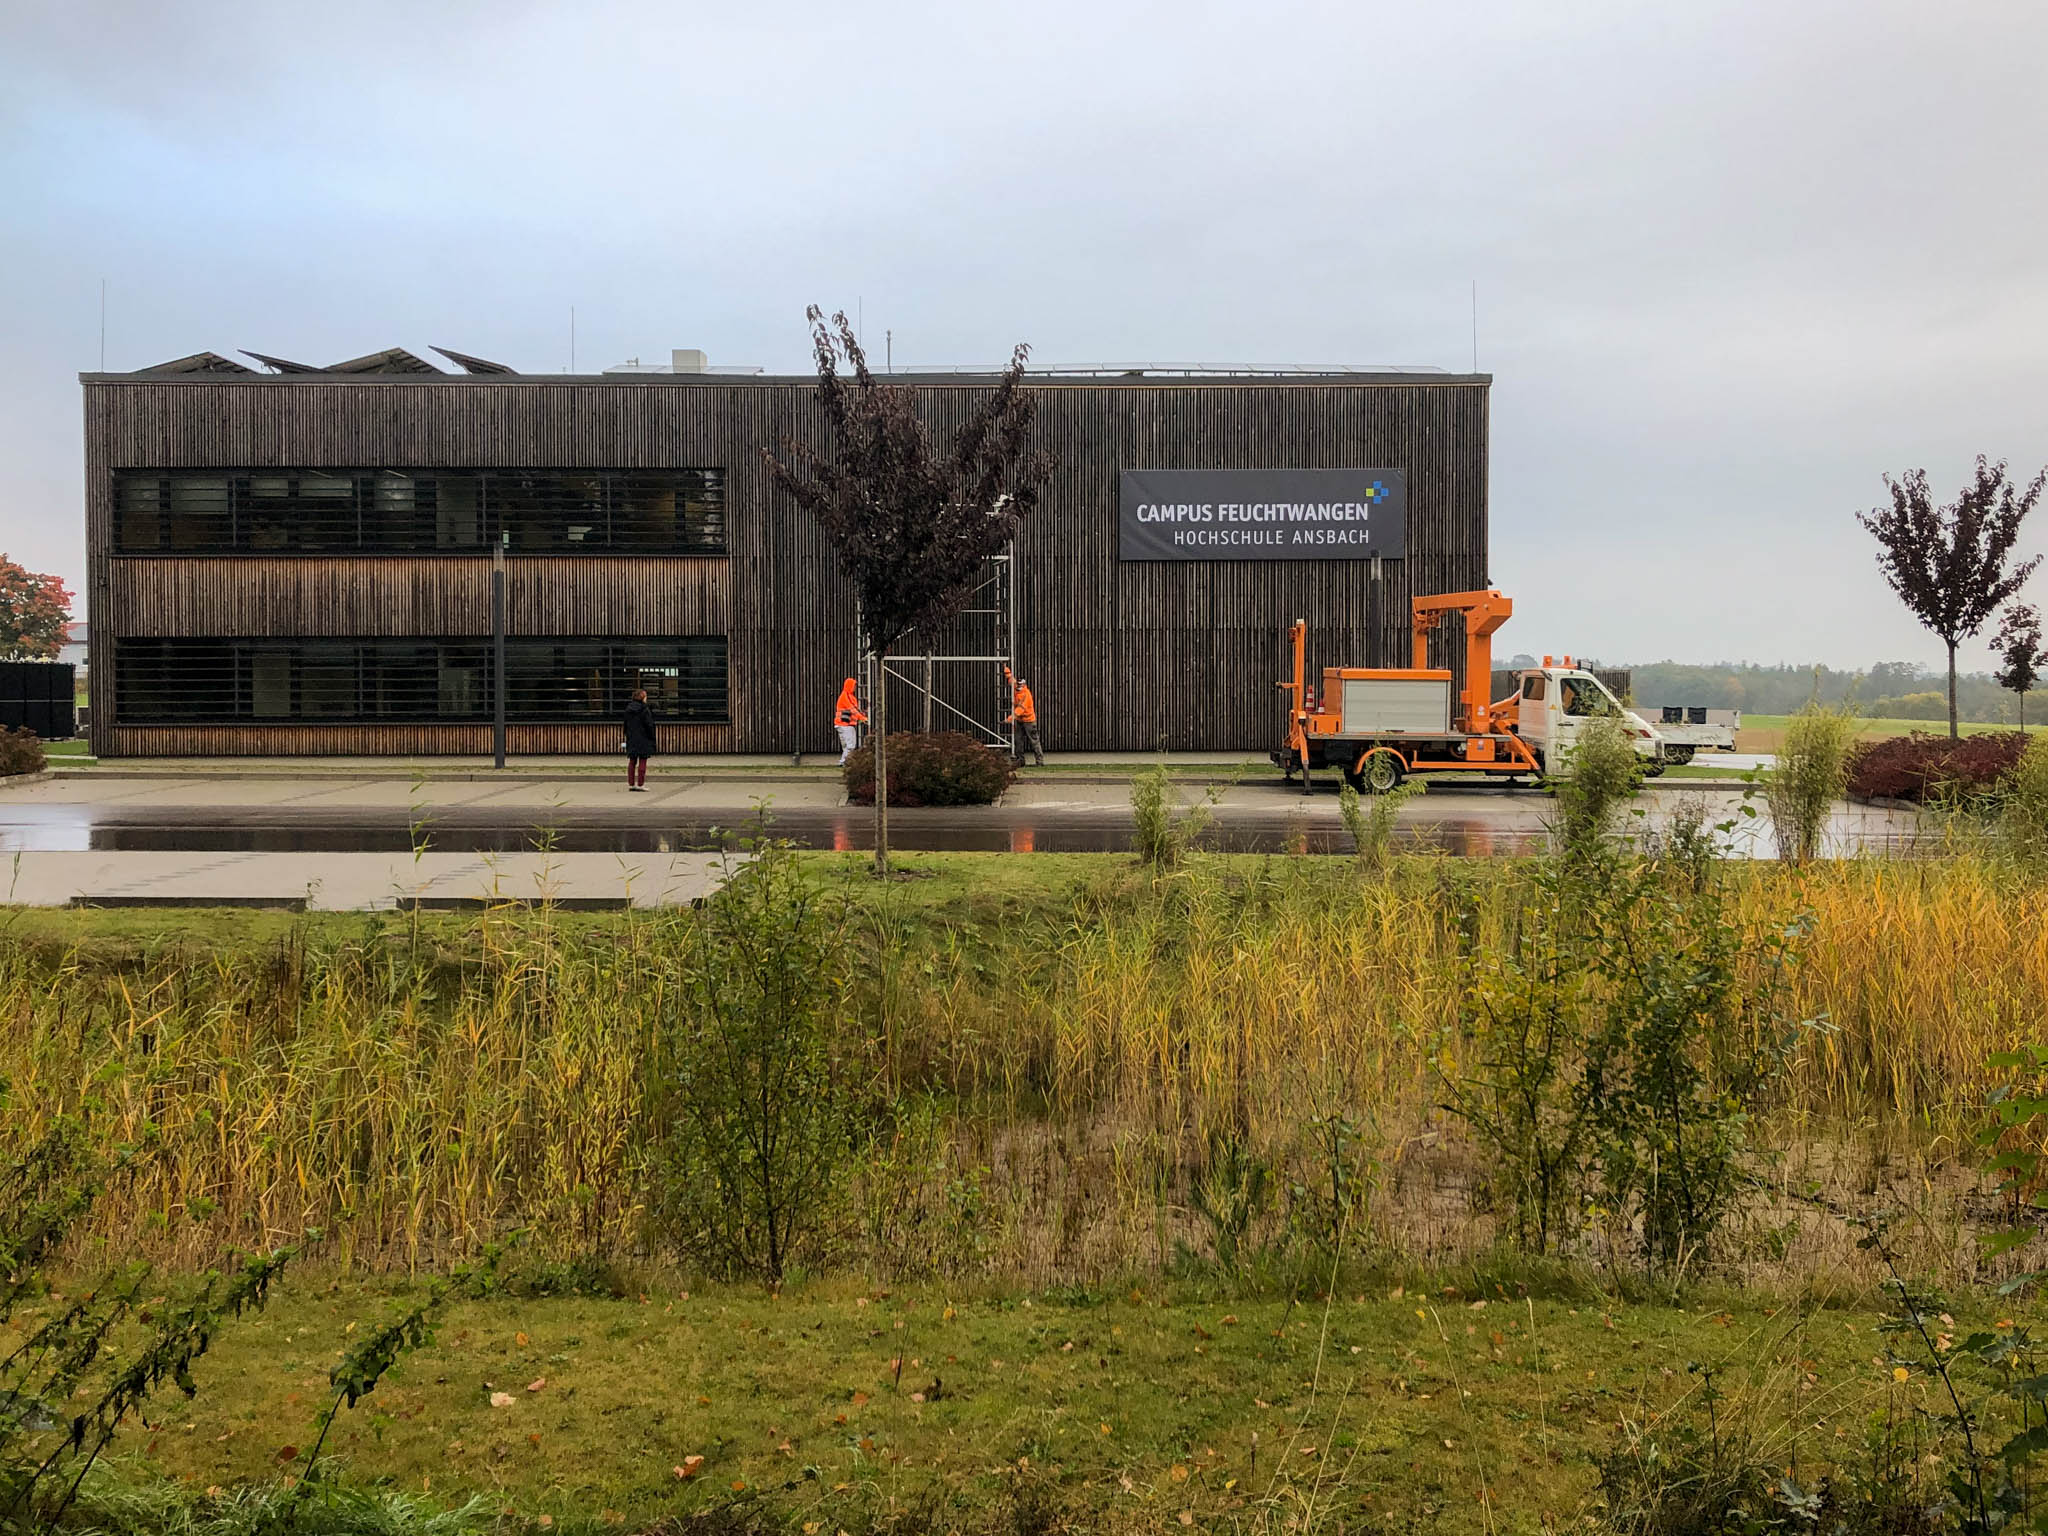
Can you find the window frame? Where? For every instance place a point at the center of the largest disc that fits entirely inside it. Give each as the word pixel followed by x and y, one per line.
pixel 703 662
pixel 612 502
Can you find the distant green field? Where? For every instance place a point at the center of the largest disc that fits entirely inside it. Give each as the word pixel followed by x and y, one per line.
pixel 1761 733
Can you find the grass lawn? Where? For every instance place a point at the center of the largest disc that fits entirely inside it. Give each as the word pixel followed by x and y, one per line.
pixel 969 895
pixel 1437 1408
pixel 1703 769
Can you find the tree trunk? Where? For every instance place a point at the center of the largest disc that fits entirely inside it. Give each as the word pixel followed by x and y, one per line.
pixel 1954 731
pixel 881 766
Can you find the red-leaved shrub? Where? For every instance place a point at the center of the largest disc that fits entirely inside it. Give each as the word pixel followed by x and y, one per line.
pixel 21 751
pixel 942 768
pixel 1920 767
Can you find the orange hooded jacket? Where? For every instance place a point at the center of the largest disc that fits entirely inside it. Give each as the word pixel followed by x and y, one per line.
pixel 848 711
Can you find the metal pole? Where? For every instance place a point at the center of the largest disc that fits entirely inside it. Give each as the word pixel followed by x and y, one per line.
pixel 498 654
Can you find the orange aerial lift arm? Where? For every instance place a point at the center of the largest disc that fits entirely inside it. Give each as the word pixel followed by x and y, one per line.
pixel 1483 612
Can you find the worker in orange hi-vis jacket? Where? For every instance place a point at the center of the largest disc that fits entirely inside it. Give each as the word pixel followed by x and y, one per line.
pixel 848 717
pixel 1023 719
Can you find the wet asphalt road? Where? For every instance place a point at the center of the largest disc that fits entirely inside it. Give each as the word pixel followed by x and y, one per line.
pixel 103 811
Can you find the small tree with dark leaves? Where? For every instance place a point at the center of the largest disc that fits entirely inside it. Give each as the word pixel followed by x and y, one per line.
pixel 2021 657
pixel 913 525
pixel 1952 565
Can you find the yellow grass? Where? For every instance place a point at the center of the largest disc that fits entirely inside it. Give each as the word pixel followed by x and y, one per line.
pixel 413 1101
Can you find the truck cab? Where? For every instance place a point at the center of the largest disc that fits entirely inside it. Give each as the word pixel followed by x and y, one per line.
pixel 1554 703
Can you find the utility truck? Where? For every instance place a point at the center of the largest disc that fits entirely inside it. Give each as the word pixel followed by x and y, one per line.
pixel 1690 728
pixel 1377 725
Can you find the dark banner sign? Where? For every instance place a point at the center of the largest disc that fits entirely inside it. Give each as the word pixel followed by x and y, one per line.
pixel 1262 514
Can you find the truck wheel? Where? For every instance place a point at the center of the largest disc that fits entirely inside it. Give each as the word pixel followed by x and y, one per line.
pixel 1678 754
pixel 1380 772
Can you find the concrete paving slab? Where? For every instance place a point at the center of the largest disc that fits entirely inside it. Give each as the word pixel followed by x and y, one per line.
pixel 358 882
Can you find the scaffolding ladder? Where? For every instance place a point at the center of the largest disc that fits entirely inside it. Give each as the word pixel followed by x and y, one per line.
pixel 994 598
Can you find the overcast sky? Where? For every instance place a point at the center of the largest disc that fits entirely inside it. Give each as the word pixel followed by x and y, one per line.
pixel 1733 260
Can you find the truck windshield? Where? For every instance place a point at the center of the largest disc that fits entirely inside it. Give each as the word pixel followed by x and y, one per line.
pixel 1582 695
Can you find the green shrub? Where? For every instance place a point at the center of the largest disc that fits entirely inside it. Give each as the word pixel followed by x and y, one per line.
pixel 1611 1052
pixel 1812 773
pixel 1163 828
pixel 1372 831
pixel 753 1129
pixel 2023 806
pixel 1602 774
pixel 939 768
pixel 21 751
pixel 64 1391
pixel 1230 1195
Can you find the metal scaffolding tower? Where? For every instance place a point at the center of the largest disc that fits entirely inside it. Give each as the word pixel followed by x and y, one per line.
pixel 944 704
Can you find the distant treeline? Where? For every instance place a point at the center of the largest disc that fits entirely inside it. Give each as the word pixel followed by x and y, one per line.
pixel 1893 690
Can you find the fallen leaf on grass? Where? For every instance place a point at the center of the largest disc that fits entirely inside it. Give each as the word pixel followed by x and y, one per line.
pixel 691 1466
pixel 1179 1474
pixel 1187 1517
pixel 519 1339
pixel 536 1384
pixel 501 1399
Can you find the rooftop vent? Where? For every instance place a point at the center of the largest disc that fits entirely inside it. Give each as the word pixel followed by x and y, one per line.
pixel 685 360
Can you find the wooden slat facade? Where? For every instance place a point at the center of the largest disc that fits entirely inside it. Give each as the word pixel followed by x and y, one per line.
pixel 1125 657
pixel 417 595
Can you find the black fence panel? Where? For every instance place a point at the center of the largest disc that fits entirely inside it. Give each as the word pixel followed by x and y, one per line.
pixel 41 695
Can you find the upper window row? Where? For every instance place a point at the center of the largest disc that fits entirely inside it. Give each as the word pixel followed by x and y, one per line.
pixel 387 511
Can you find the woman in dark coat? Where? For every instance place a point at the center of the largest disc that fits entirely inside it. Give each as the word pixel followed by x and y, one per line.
pixel 639 728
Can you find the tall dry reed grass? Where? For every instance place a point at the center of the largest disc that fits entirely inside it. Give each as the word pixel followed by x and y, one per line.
pixel 413 1102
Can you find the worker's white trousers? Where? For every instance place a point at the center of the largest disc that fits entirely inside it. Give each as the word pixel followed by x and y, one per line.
pixel 849 738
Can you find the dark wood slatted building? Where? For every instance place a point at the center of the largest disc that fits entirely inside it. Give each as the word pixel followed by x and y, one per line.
pixel 299 562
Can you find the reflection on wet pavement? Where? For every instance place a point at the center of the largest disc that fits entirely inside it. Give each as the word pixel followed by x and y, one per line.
pixel 1252 819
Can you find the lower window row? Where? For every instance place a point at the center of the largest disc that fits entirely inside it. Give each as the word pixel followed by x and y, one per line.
pixel 556 681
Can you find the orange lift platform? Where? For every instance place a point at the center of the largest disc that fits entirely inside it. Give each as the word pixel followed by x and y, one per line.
pixel 1377 725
